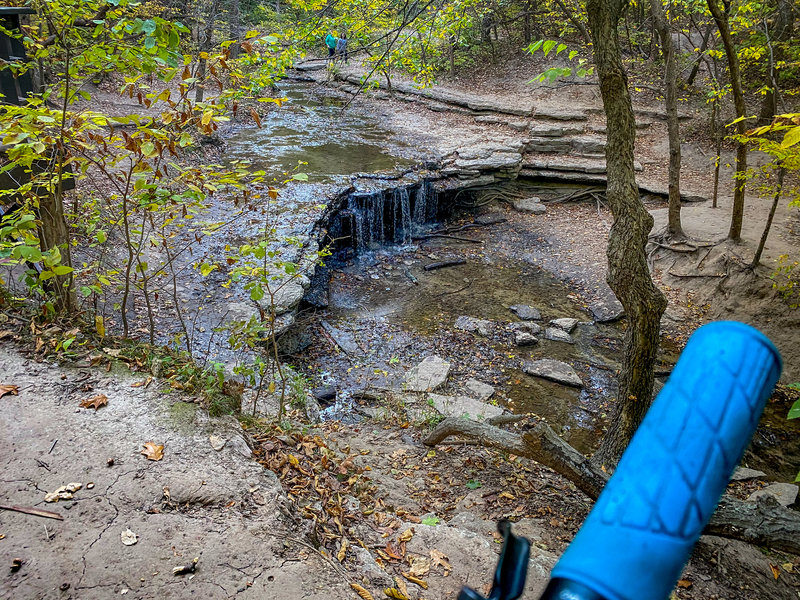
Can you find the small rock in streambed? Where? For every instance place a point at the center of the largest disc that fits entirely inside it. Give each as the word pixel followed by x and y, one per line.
pixel 553 370
pixel 784 493
pixel 428 375
pixel 529 326
pixel 473 325
pixel 557 335
pixel 743 474
pixel 526 313
pixel 525 338
pixel 565 323
pixel 462 406
pixel 479 390
pixel 607 310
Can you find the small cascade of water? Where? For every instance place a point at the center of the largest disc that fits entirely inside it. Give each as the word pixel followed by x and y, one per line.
pixel 368 220
pixel 401 204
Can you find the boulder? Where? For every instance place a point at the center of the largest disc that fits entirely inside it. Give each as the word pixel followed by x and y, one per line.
pixel 589 144
pixel 471 324
pixel 784 493
pixel 525 312
pixel 428 375
pixel 553 370
pixel 557 335
pixel 463 406
pixel 530 205
pixel 478 389
pixel 525 338
pixel 566 324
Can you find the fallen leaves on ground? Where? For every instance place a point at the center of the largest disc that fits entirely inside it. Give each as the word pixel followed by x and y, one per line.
pixel 9 389
pixel 440 559
pixel 65 492
pixel 153 451
pixel 128 537
pixel 361 592
pixel 95 402
pixel 395 593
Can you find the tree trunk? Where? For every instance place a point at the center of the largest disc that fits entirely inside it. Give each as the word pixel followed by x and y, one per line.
pixel 699 61
pixel 54 233
pixel 721 19
pixel 674 228
pixel 628 273
pixel 775 200
pixel 780 34
pixel 570 14
pixel 762 522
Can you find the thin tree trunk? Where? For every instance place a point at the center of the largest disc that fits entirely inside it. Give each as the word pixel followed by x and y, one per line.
pixel 775 200
pixel 721 19
pixel 699 61
pixel 628 273
pixel 781 33
pixel 570 14
pixel 661 24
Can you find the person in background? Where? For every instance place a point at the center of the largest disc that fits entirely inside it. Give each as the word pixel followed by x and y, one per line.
pixel 341 47
pixel 330 42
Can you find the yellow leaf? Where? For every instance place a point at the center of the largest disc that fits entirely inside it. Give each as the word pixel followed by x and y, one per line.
pixel 271 387
pixel 293 460
pixel 406 535
pixel 361 591
pixel 395 593
pixel 206 119
pixel 775 571
pixel 99 326
pixel 417 580
pixel 342 551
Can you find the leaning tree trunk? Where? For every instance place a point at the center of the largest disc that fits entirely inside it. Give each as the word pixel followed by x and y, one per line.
pixel 674 228
pixel 776 39
pixel 628 272
pixel 721 19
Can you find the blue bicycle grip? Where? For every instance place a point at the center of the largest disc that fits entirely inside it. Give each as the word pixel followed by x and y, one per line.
pixel 641 531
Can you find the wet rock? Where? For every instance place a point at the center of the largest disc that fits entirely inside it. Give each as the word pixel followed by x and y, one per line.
pixel 743 474
pixel 557 335
pixel 462 406
pixel 553 370
pixel 525 312
pixel 346 340
pixel 530 205
pixel 566 324
pixel 326 393
pixel 529 326
pixel 607 309
pixel 525 338
pixel 784 493
pixel 473 325
pixel 428 375
pixel 311 66
pixel 286 297
pixel 478 389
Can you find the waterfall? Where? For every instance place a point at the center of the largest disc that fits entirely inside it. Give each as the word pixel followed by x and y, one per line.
pixel 368 220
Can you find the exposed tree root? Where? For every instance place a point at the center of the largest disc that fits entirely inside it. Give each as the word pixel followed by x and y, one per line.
pixel 763 522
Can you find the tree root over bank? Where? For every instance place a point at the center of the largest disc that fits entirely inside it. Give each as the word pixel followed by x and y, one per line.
pixel 764 522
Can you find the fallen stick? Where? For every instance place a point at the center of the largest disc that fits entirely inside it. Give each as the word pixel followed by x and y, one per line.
pixel 449 237
pixel 445 263
pixel 30 510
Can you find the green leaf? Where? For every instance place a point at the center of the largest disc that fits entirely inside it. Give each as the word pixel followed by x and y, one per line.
pixel 149 27
pixel 548 46
pixel 101 236
pixel 62 270
pixel 432 521
pixel 300 177
pixel 206 268
pixel 794 412
pixel 474 484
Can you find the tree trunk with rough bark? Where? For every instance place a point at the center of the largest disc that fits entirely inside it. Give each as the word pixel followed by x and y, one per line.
pixel 661 23
pixel 628 272
pixel 721 19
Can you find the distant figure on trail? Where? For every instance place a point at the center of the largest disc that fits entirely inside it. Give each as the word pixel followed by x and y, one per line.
pixel 330 42
pixel 341 47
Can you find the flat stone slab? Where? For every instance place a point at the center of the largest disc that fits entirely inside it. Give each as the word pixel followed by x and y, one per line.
pixel 553 370
pixel 560 114
pixel 463 406
pixel 428 375
pixel 529 205
pixel 743 474
pixel 591 166
pixel 344 339
pixel 554 130
pixel 525 338
pixel 474 325
pixel 479 390
pixel 549 145
pixel 525 312
pixel 607 310
pixel 557 335
pixel 784 493
pixel 497 161
pixel 565 323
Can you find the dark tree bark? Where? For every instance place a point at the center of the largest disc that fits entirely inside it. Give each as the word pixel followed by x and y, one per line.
pixel 763 522
pixel 674 228
pixel 628 272
pixel 768 226
pixel 703 46
pixel 781 32
pixel 721 19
